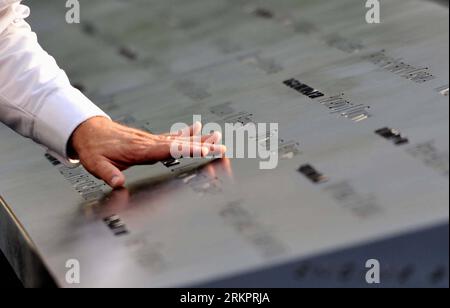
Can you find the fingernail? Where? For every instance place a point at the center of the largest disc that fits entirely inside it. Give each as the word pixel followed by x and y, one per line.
pixel 217 137
pixel 205 151
pixel 219 150
pixel 115 181
pixel 197 128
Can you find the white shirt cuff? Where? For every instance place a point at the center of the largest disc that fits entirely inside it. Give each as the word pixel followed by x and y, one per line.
pixel 63 111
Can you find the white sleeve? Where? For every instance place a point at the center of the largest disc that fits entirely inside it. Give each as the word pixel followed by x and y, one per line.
pixel 36 98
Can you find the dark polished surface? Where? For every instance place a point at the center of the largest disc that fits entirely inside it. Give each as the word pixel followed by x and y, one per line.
pixel 8 278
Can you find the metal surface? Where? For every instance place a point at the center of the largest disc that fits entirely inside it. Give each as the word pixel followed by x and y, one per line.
pixel 154 63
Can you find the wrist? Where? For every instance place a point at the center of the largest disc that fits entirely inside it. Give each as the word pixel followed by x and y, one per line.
pixel 82 134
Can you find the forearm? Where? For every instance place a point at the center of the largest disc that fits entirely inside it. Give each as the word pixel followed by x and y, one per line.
pixel 36 98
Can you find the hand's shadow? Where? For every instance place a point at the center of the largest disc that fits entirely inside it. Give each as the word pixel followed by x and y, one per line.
pixel 152 192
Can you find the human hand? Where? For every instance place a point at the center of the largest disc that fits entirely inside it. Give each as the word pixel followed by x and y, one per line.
pixel 106 148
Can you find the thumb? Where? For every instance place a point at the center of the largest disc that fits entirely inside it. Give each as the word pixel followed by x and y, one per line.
pixel 109 173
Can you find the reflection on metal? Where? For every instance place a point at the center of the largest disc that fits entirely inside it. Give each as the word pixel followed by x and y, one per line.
pixel 154 63
pixel 21 252
pixel 312 174
pixel 393 135
pixel 443 90
pixel 399 67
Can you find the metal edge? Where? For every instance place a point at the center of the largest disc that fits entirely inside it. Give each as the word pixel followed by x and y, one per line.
pixel 21 252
